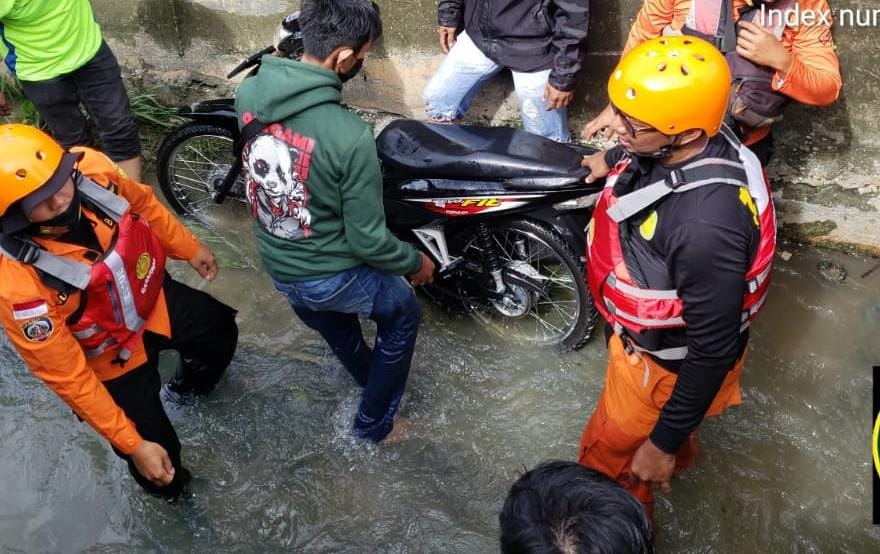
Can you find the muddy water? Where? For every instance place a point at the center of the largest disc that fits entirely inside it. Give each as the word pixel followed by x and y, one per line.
pixel 789 471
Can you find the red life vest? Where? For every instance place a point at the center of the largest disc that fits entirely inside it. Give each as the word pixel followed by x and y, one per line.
pixel 122 291
pixel 628 306
pixel 121 288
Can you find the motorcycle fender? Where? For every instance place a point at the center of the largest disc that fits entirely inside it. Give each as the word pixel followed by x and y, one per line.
pixel 217 115
pixel 570 224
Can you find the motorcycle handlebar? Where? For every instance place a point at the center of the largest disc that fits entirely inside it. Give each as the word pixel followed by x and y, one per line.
pixel 251 61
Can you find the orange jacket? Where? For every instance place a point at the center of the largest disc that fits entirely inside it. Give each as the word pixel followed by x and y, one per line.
pixel 34 315
pixel 814 76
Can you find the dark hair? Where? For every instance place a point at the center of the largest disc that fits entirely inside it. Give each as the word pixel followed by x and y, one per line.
pixel 329 24
pixel 565 508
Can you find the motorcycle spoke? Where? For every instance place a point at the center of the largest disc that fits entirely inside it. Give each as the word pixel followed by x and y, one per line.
pixel 199 174
pixel 198 152
pixel 566 315
pixel 200 170
pixel 546 325
pixel 543 313
pixel 190 179
pixel 192 162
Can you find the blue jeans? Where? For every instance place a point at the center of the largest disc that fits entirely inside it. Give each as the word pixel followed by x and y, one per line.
pixel 466 69
pixel 331 306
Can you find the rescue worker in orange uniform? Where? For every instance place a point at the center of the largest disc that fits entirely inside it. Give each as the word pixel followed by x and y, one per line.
pixel 680 249
pixel 772 63
pixel 86 301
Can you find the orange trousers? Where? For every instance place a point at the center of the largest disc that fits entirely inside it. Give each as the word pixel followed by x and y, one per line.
pixel 636 388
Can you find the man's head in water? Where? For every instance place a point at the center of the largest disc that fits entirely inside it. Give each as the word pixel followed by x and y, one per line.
pixel 565 508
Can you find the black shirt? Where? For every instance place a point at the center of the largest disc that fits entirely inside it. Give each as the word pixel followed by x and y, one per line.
pixel 703 241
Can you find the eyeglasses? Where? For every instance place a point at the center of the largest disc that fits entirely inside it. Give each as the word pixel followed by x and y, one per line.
pixel 633 128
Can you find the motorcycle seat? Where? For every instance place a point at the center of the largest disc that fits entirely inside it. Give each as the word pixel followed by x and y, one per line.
pixel 516 159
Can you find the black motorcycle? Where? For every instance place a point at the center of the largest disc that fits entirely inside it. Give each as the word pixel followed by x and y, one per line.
pixel 502 212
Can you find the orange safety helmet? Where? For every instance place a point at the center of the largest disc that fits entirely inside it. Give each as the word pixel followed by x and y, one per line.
pixel 33 167
pixel 674 84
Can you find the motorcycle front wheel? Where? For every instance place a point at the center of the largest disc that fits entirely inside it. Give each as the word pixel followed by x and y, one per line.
pixel 191 164
pixel 546 300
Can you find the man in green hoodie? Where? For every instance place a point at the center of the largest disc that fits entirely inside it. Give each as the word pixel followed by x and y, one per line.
pixel 314 188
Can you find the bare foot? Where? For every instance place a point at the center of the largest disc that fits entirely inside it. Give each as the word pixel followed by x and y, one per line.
pixel 399 431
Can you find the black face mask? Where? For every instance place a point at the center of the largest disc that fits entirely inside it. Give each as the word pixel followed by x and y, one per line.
pixel 347 76
pixel 61 223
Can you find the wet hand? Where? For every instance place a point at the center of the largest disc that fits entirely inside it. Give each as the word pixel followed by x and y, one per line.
pixel 598 167
pixel 654 466
pixel 760 46
pixel 557 99
pixel 152 461
pixel 425 274
pixel 601 122
pixel 205 264
pixel 447 38
pixel 4 107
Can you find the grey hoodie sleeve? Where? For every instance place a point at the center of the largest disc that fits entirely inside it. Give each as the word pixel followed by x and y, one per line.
pixel 363 213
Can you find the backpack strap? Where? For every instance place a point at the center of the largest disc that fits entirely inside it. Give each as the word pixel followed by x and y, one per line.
pixel 26 251
pixel 712 20
pixel 113 205
pixel 248 133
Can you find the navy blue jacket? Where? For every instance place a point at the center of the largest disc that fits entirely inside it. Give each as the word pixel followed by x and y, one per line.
pixel 526 35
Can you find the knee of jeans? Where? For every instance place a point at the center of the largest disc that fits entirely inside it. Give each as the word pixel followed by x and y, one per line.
pixel 537 120
pixel 435 108
pixel 414 310
pixel 409 313
pixel 441 116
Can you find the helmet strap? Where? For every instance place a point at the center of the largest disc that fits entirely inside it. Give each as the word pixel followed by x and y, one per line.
pixel 661 153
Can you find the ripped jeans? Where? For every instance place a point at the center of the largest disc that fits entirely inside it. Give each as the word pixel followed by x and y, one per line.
pixel 466 69
pixel 331 306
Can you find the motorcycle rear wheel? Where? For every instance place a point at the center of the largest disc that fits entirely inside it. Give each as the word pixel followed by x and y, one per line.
pixel 562 313
pixel 192 162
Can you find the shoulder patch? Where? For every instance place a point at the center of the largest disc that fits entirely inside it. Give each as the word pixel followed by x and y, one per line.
pixel 37 329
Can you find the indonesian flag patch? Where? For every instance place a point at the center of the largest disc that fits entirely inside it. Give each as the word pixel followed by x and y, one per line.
pixel 30 310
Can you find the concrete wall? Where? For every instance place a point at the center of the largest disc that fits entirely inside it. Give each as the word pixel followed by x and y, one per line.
pixel 825 170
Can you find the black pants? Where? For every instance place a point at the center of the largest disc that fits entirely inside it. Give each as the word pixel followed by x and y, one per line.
pixel 98 85
pixel 204 332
